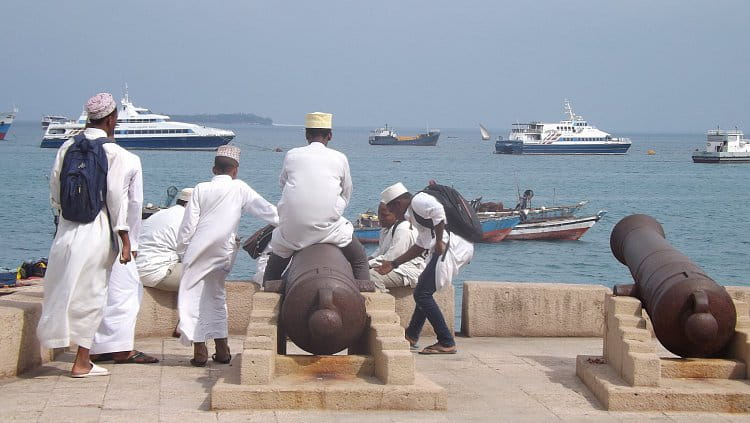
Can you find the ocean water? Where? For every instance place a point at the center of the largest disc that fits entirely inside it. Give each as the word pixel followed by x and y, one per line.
pixel 703 208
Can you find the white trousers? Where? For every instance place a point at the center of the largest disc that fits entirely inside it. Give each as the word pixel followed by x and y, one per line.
pixel 202 306
pixel 117 329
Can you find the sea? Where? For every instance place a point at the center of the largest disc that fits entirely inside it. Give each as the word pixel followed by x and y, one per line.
pixel 700 206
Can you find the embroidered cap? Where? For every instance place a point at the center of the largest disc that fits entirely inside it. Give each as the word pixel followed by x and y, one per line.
pixel 392 192
pixel 100 106
pixel 319 120
pixel 185 194
pixel 231 151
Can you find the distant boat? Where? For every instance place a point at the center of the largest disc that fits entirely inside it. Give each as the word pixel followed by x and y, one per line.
pixel 724 147
pixel 388 136
pixel 571 136
pixel 498 228
pixel 6 119
pixel 367 228
pixel 485 133
pixel 569 228
pixel 47 119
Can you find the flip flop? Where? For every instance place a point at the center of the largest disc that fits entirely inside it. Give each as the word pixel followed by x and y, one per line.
pixel 224 361
pixel 198 363
pixel 95 371
pixel 436 349
pixel 413 346
pixel 139 357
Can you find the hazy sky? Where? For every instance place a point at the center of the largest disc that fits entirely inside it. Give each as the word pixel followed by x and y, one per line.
pixel 644 65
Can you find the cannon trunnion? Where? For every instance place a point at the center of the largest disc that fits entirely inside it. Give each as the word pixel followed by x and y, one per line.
pixel 692 315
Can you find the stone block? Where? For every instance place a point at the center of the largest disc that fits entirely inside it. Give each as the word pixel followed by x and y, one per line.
pixel 387 330
pixel 257 367
pixel 739 346
pixel 269 301
pixel 625 306
pixel 703 368
pixel 739 293
pixel 20 350
pixel 445 298
pixel 641 369
pixel 383 317
pixel 390 343
pixel 636 346
pixel 395 367
pixel 742 308
pixel 260 343
pixel 263 316
pixel 261 329
pixel 379 301
pixel 307 366
pixel 633 334
pixel 532 309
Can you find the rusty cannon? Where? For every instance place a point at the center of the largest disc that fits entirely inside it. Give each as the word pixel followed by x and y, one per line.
pixel 692 315
pixel 322 310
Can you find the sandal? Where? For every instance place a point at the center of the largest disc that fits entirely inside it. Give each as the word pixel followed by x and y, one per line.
pixel 198 363
pixel 138 357
pixel 215 358
pixel 439 349
pixel 102 357
pixel 413 346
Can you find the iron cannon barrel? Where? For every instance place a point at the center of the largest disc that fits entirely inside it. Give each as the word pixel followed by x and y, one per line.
pixel 323 311
pixel 692 315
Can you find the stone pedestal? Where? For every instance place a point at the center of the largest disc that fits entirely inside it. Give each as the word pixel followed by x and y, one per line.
pixel 630 376
pixel 380 375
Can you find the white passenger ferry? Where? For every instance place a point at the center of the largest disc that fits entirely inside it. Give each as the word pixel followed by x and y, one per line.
pixel 138 128
pixel 571 136
pixel 724 147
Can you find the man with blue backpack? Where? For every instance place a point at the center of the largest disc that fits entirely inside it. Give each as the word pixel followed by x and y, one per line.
pixel 87 190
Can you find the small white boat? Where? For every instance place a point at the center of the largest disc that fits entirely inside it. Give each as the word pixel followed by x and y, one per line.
pixel 485 133
pixel 47 119
pixel 564 228
pixel 724 147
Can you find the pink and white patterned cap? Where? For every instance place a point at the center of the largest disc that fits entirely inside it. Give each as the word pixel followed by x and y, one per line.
pixel 231 151
pixel 100 106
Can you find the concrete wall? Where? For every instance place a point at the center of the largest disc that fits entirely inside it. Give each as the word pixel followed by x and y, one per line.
pixel 445 298
pixel 20 350
pixel 532 309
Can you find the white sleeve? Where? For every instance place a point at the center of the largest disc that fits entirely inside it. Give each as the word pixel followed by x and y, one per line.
pixel 403 239
pixel 189 223
pixel 256 205
pixel 346 183
pixel 117 189
pixel 135 203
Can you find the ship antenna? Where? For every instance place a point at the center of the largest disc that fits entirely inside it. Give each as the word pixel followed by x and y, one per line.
pixel 126 98
pixel 569 109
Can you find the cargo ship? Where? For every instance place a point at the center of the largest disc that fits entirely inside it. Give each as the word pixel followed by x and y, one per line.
pixel 6 119
pixel 388 136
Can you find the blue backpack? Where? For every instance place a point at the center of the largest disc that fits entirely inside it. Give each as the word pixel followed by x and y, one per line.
pixel 83 180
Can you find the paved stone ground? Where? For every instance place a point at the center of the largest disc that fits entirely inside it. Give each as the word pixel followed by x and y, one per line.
pixel 489 380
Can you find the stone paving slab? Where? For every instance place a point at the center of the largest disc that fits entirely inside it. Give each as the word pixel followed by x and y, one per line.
pixel 489 380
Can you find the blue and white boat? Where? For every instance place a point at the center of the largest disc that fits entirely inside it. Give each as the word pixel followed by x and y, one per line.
pixel 140 129
pixel 571 136
pixel 6 119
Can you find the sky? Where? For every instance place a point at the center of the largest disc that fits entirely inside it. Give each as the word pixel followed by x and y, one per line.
pixel 636 66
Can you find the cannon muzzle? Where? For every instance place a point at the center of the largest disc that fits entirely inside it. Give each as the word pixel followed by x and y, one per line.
pixel 692 315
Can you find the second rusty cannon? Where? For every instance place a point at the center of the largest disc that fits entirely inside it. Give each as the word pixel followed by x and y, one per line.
pixel 322 310
pixel 692 315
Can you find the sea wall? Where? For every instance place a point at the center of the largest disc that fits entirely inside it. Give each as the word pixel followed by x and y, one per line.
pixel 20 350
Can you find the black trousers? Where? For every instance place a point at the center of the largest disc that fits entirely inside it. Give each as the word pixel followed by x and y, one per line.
pixel 354 253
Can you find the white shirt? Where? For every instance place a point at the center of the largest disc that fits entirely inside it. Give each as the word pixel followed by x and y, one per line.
pixel 316 186
pixel 394 243
pixel 158 241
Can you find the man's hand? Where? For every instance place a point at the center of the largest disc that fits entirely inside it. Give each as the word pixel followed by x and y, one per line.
pixel 439 247
pixel 384 268
pixel 125 255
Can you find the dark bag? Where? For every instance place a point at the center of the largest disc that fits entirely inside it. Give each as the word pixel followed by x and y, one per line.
pixel 258 241
pixel 461 218
pixel 83 180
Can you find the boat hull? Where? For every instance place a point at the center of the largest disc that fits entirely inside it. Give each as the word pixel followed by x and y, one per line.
pixel 367 235
pixel 496 230
pixel 6 119
pixel 559 147
pixel 711 157
pixel 4 128
pixel 569 229
pixel 424 140
pixel 157 143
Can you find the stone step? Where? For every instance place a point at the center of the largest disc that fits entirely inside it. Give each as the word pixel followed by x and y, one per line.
pixel 325 366
pixel 703 368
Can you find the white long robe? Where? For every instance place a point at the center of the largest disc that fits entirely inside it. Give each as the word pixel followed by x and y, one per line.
pixel 316 186
pixel 117 330
pixel 460 251
pixel 393 243
pixel 157 245
pixel 207 242
pixel 81 256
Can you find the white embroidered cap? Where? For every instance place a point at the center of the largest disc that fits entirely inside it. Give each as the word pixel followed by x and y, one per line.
pixel 185 194
pixel 392 192
pixel 100 106
pixel 231 151
pixel 319 120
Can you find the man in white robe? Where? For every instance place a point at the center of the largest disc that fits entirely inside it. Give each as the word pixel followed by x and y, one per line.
pixel 157 261
pixel 316 186
pixel 82 254
pixel 448 253
pixel 116 334
pixel 396 237
pixel 207 242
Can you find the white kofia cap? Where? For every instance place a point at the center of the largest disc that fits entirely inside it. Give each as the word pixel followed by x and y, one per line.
pixel 100 106
pixel 319 120
pixel 185 194
pixel 231 151
pixel 392 192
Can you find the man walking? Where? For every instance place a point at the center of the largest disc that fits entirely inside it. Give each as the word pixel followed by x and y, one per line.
pixel 82 253
pixel 207 242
